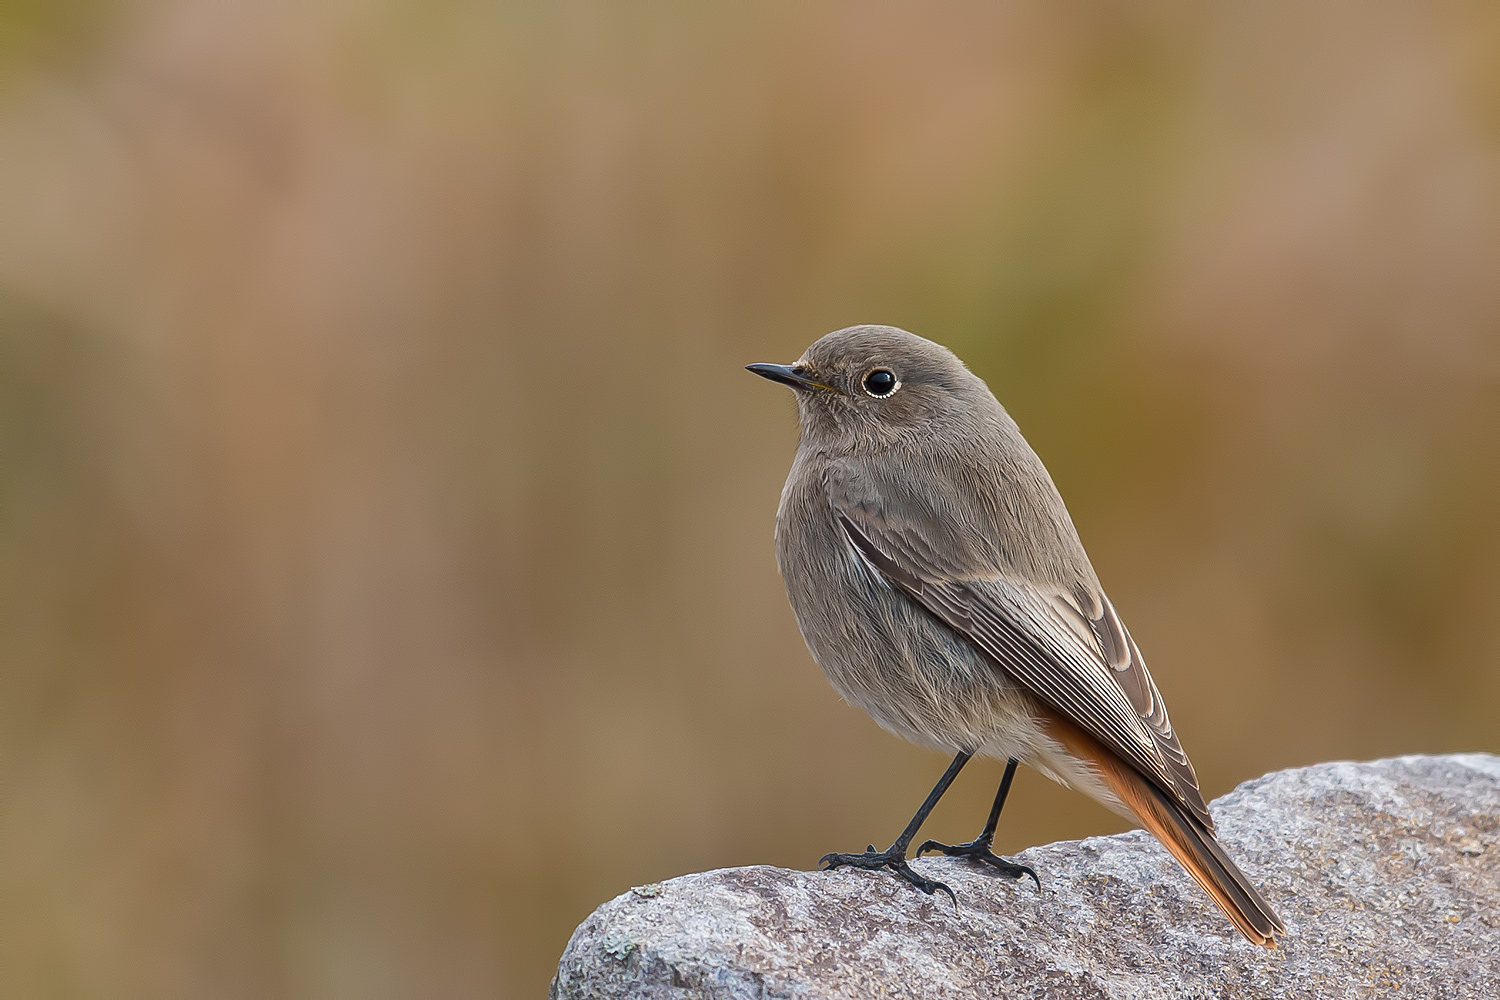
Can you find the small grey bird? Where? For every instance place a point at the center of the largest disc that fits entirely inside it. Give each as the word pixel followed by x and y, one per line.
pixel 939 582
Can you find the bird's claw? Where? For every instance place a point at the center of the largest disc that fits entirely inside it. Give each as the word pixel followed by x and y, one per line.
pixel 978 851
pixel 895 863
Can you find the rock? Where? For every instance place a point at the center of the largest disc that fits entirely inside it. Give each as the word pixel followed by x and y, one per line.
pixel 1387 875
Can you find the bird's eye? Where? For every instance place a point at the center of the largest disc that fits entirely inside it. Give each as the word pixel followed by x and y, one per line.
pixel 881 382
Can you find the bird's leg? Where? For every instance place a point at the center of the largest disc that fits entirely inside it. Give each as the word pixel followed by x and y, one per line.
pixel 978 849
pixel 894 857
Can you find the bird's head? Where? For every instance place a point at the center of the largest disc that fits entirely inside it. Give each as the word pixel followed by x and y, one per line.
pixel 877 384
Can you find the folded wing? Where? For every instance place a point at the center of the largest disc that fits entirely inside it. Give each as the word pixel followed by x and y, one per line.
pixel 1069 649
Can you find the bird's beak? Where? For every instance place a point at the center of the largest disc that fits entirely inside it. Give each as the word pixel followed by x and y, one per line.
pixel 795 376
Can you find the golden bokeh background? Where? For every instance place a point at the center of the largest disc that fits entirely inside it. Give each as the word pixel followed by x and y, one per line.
pixel 385 518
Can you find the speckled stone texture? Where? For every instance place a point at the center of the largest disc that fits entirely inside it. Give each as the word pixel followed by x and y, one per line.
pixel 1387 875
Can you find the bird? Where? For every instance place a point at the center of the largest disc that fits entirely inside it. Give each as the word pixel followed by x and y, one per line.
pixel 939 582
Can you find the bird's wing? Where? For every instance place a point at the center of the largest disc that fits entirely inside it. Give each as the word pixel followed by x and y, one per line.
pixel 1070 650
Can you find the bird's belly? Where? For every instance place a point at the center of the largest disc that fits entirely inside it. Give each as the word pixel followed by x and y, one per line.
pixel 912 673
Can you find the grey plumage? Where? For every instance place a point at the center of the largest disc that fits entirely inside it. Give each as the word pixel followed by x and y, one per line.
pixel 939 582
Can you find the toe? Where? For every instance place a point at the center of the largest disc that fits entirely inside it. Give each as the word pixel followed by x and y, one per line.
pixel 932 887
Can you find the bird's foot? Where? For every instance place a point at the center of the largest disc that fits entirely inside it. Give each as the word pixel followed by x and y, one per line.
pixel 893 860
pixel 978 851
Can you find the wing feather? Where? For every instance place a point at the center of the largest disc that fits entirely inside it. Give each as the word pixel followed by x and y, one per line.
pixel 1071 651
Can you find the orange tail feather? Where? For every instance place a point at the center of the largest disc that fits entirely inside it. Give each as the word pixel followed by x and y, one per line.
pixel 1190 842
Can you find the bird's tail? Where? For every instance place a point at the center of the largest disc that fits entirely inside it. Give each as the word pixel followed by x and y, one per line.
pixel 1195 847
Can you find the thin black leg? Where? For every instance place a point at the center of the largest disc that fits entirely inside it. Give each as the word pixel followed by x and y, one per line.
pixel 978 849
pixel 894 857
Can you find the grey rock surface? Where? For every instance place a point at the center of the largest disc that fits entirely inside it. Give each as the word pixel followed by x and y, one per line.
pixel 1387 875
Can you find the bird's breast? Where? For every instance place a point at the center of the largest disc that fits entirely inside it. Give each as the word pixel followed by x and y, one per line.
pixel 879 649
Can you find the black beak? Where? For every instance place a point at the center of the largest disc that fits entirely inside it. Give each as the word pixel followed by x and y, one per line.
pixel 793 375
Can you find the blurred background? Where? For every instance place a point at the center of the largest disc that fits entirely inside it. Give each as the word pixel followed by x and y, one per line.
pixel 386 574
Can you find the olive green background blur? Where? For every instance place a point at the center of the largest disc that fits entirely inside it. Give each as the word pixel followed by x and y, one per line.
pixel 385 518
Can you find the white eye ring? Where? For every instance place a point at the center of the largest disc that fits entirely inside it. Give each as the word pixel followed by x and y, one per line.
pixel 895 383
